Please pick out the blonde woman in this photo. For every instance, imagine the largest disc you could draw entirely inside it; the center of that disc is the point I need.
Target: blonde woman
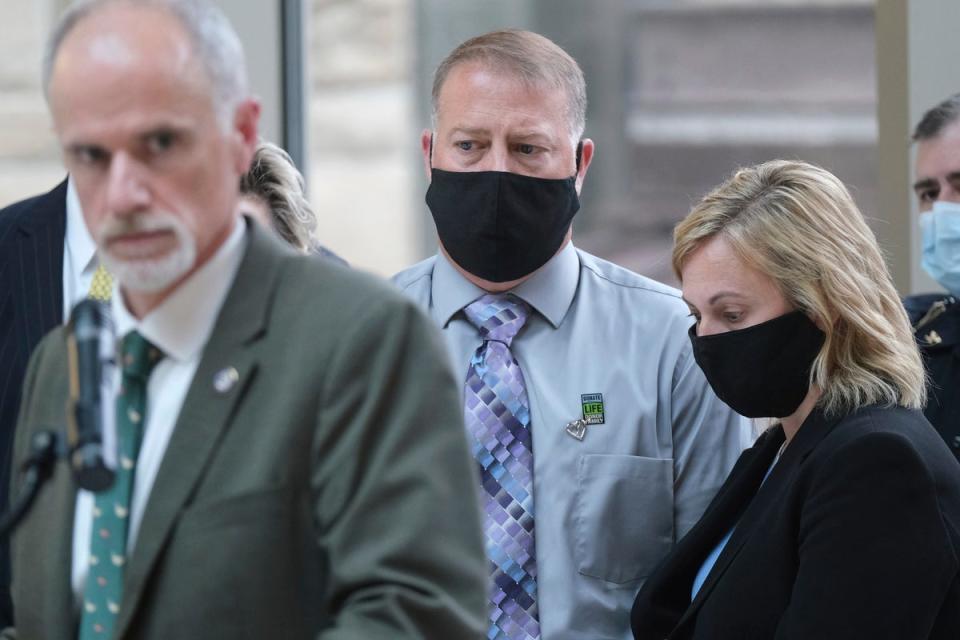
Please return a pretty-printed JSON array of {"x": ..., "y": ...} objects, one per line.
[
  {"x": 273, "y": 192},
  {"x": 842, "y": 520}
]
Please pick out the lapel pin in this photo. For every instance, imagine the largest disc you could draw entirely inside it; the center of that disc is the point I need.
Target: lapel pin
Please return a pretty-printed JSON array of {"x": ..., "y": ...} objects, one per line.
[
  {"x": 577, "y": 429},
  {"x": 591, "y": 405},
  {"x": 933, "y": 338},
  {"x": 225, "y": 379}
]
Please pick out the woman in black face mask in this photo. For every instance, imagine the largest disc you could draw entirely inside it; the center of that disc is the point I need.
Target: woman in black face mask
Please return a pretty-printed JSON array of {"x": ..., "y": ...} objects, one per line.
[{"x": 843, "y": 520}]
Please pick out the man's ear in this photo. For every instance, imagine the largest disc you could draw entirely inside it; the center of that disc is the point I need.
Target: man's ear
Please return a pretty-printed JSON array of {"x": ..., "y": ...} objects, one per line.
[
  {"x": 584, "y": 157},
  {"x": 246, "y": 129},
  {"x": 426, "y": 147}
]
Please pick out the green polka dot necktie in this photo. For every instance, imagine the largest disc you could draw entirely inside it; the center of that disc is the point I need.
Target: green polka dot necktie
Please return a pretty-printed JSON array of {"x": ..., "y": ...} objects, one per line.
[{"x": 108, "y": 539}]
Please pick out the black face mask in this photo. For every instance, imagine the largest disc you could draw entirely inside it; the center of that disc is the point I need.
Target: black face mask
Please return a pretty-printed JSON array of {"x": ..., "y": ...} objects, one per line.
[
  {"x": 501, "y": 226},
  {"x": 762, "y": 371}
]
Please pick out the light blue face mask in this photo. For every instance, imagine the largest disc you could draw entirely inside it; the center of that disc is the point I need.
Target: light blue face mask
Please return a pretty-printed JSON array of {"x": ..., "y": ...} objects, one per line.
[{"x": 940, "y": 230}]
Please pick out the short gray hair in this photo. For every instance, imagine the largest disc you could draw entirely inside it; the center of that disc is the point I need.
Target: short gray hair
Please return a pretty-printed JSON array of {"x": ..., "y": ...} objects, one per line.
[
  {"x": 214, "y": 40},
  {"x": 534, "y": 59},
  {"x": 275, "y": 179},
  {"x": 938, "y": 118}
]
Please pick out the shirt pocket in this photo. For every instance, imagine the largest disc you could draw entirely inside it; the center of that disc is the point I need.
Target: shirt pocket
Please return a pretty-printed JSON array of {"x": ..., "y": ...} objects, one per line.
[{"x": 623, "y": 515}]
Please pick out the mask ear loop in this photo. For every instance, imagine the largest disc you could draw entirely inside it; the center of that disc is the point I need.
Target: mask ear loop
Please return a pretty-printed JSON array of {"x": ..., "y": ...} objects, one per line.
[{"x": 431, "y": 151}]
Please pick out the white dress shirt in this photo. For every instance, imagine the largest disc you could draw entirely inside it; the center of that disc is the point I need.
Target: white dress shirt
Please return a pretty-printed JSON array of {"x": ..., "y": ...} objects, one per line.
[
  {"x": 180, "y": 327},
  {"x": 79, "y": 254}
]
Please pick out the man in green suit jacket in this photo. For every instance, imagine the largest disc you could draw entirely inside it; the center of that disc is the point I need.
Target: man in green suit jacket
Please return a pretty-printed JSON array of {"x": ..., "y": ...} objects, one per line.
[{"x": 301, "y": 469}]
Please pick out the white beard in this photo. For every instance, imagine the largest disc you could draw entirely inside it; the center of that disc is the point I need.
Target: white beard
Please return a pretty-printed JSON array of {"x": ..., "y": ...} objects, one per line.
[{"x": 150, "y": 275}]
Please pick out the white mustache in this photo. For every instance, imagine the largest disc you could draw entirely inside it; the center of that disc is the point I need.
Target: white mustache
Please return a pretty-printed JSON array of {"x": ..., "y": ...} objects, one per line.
[
  {"x": 147, "y": 273},
  {"x": 141, "y": 223}
]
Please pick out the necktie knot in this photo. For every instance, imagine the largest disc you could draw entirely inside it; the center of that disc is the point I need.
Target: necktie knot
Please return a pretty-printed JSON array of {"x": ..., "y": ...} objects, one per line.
[
  {"x": 498, "y": 317},
  {"x": 139, "y": 356}
]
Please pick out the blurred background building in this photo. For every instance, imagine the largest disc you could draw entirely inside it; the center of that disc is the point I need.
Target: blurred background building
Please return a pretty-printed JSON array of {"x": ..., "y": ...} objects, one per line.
[{"x": 681, "y": 93}]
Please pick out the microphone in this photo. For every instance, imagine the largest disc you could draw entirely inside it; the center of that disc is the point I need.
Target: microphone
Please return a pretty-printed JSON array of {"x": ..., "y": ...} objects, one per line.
[{"x": 91, "y": 434}]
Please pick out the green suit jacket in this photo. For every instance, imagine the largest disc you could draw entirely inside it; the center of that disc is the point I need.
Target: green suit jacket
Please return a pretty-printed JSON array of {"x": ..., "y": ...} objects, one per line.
[{"x": 329, "y": 493}]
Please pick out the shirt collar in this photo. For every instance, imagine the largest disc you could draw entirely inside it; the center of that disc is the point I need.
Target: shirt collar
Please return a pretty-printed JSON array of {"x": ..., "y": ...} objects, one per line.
[
  {"x": 82, "y": 248},
  {"x": 549, "y": 290},
  {"x": 182, "y": 324},
  {"x": 451, "y": 291}
]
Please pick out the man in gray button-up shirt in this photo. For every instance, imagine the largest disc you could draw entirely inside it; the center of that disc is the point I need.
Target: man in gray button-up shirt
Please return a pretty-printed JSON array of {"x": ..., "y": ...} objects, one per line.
[{"x": 629, "y": 442}]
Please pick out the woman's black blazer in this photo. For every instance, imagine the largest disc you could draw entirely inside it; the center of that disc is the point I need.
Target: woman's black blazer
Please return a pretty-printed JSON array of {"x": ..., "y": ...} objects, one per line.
[{"x": 853, "y": 535}]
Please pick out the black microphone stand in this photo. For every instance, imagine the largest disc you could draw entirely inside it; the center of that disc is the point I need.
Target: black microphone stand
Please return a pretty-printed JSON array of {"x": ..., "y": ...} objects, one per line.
[
  {"x": 90, "y": 344},
  {"x": 45, "y": 450}
]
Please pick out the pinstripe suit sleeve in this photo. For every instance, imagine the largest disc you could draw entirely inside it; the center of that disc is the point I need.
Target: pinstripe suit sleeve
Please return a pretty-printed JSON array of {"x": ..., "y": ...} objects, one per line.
[{"x": 31, "y": 303}]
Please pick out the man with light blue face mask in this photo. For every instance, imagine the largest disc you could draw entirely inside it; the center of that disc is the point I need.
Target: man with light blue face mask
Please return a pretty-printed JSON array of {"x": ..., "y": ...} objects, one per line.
[{"x": 936, "y": 317}]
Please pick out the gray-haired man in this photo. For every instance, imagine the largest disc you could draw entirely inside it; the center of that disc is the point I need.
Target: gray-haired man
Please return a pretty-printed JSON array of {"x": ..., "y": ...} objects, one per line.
[{"x": 276, "y": 476}]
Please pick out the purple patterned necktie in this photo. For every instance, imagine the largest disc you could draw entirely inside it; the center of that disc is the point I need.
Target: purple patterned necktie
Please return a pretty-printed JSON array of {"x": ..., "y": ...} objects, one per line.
[{"x": 498, "y": 419}]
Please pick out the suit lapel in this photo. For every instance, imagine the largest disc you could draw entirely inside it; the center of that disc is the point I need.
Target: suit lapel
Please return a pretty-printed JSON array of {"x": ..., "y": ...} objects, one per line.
[
  {"x": 207, "y": 411},
  {"x": 724, "y": 513},
  {"x": 758, "y": 499},
  {"x": 665, "y": 596}
]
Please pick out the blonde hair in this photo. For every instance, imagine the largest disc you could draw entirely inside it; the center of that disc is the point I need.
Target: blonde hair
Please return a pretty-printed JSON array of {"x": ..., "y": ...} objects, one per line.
[
  {"x": 532, "y": 58},
  {"x": 274, "y": 179},
  {"x": 798, "y": 224}
]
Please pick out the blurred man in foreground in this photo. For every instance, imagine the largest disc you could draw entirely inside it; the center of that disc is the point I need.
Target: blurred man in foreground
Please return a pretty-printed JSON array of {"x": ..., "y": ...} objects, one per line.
[{"x": 276, "y": 475}]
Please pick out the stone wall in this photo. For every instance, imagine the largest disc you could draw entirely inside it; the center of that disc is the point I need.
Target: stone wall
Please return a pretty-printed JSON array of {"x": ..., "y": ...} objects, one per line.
[
  {"x": 363, "y": 169},
  {"x": 655, "y": 120},
  {"x": 29, "y": 158},
  {"x": 362, "y": 151}
]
